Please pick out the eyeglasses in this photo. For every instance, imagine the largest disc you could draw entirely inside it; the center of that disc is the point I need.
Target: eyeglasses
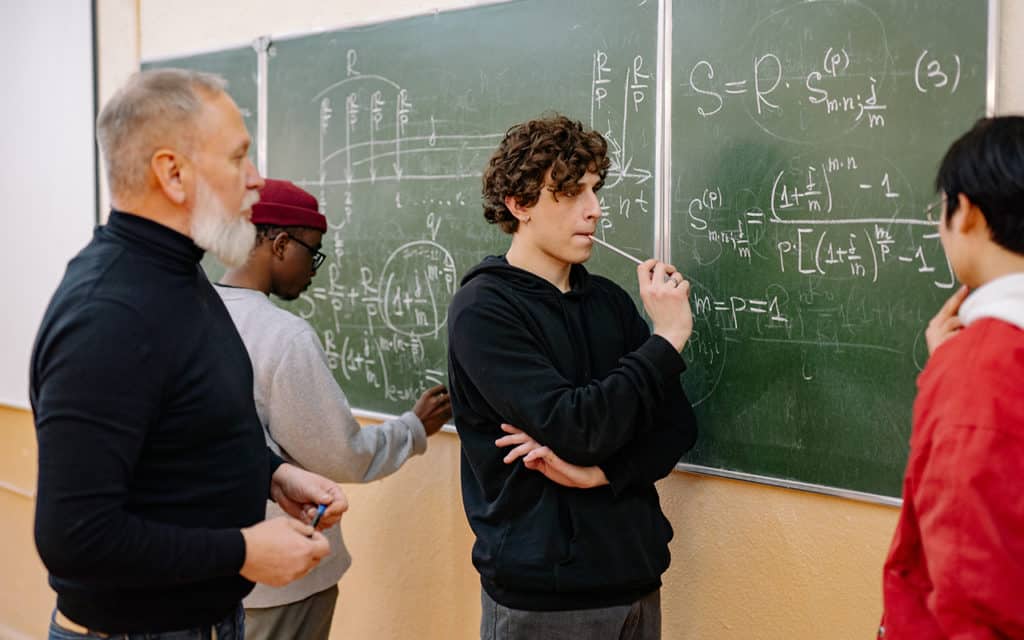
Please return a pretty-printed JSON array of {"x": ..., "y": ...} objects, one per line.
[
  {"x": 935, "y": 210},
  {"x": 318, "y": 256}
]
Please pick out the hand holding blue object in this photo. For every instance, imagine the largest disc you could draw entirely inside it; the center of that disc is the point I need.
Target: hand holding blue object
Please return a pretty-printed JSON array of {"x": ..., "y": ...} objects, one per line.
[{"x": 320, "y": 508}]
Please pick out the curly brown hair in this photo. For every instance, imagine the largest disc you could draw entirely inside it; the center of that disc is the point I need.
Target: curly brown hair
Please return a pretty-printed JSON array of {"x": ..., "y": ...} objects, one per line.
[{"x": 520, "y": 165}]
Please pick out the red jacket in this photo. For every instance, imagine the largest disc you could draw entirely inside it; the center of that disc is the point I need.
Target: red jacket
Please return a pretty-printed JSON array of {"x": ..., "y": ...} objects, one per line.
[{"x": 956, "y": 566}]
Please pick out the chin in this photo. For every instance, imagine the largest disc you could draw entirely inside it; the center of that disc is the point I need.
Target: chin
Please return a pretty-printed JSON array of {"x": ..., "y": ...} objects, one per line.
[{"x": 582, "y": 257}]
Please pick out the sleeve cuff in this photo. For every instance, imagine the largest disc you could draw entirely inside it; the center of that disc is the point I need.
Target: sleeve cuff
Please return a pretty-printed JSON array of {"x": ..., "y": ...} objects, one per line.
[
  {"x": 274, "y": 461},
  {"x": 618, "y": 472},
  {"x": 233, "y": 544},
  {"x": 417, "y": 431},
  {"x": 663, "y": 356}
]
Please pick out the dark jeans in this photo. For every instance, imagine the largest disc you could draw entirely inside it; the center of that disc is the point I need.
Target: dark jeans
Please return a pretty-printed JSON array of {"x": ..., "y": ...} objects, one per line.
[
  {"x": 232, "y": 627},
  {"x": 638, "y": 621}
]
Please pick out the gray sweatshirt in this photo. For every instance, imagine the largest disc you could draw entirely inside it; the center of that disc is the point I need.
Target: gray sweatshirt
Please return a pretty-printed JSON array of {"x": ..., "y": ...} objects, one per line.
[{"x": 308, "y": 422}]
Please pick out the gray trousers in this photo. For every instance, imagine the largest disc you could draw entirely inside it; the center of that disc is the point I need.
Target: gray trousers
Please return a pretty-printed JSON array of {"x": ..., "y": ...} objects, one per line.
[
  {"x": 308, "y": 619},
  {"x": 638, "y": 621}
]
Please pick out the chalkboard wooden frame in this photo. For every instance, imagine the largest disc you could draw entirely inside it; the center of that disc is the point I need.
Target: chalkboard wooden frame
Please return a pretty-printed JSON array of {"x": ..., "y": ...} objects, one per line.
[{"x": 663, "y": 221}]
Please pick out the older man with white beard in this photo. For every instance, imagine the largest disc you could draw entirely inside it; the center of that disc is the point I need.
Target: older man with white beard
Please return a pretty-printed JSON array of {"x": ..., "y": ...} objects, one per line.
[{"x": 153, "y": 469}]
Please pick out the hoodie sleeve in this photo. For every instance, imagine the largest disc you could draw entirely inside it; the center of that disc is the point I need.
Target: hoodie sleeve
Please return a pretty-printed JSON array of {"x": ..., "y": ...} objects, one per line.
[
  {"x": 493, "y": 350},
  {"x": 652, "y": 454}
]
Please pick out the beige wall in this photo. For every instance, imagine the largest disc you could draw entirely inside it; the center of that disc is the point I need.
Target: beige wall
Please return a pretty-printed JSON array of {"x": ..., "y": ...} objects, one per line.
[
  {"x": 25, "y": 598},
  {"x": 749, "y": 562}
]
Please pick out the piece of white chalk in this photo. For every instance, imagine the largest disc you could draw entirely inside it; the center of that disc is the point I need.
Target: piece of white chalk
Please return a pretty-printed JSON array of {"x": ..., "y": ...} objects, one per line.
[
  {"x": 626, "y": 255},
  {"x": 615, "y": 249}
]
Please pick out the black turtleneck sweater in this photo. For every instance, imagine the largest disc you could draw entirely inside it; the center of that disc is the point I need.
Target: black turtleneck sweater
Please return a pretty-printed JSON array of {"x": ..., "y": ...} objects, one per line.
[
  {"x": 581, "y": 373},
  {"x": 151, "y": 456}
]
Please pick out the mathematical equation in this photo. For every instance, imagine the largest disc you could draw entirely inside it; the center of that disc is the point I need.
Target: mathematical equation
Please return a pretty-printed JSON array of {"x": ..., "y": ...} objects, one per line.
[
  {"x": 807, "y": 200},
  {"x": 633, "y": 81},
  {"x": 386, "y": 318},
  {"x": 832, "y": 89},
  {"x": 820, "y": 225}
]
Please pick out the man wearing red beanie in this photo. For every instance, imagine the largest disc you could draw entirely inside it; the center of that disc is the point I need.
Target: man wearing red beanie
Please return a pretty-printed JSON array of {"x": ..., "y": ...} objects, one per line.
[{"x": 305, "y": 414}]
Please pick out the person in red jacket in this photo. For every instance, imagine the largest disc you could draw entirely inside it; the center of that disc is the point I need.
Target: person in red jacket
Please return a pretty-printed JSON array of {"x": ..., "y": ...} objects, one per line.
[{"x": 956, "y": 565}]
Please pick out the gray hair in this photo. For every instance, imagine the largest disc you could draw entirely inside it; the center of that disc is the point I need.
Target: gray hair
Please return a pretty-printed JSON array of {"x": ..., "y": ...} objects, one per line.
[{"x": 155, "y": 108}]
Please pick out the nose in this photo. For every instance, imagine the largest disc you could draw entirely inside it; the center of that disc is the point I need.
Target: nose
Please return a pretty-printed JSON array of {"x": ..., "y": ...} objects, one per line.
[
  {"x": 253, "y": 179},
  {"x": 593, "y": 206}
]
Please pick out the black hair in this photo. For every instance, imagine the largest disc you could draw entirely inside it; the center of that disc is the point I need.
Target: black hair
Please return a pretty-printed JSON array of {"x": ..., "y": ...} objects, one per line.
[
  {"x": 271, "y": 231},
  {"x": 986, "y": 164}
]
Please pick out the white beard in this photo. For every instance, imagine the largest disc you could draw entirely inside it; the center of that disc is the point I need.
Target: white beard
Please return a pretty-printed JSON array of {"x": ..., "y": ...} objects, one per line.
[{"x": 229, "y": 236}]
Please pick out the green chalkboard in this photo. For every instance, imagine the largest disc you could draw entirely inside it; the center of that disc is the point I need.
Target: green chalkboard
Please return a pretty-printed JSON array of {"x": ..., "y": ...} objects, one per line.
[
  {"x": 391, "y": 126},
  {"x": 237, "y": 66},
  {"x": 805, "y": 138}
]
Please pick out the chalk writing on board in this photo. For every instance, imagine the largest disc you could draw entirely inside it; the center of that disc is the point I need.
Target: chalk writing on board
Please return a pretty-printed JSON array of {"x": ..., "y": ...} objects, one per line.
[
  {"x": 632, "y": 80},
  {"x": 822, "y": 218},
  {"x": 833, "y": 89},
  {"x": 377, "y": 148},
  {"x": 371, "y": 137},
  {"x": 835, "y": 213}
]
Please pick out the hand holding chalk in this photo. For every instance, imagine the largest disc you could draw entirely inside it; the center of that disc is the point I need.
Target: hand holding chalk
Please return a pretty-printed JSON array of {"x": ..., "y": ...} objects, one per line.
[{"x": 666, "y": 297}]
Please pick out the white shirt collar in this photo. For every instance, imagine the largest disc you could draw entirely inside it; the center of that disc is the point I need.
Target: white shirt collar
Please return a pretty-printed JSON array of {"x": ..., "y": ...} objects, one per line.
[{"x": 1002, "y": 298}]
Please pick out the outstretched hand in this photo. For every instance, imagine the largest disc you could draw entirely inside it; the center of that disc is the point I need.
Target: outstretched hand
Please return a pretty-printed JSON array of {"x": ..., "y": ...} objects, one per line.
[{"x": 434, "y": 409}]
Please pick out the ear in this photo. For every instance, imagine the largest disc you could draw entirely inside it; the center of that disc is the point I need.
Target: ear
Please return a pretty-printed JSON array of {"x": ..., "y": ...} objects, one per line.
[
  {"x": 169, "y": 170},
  {"x": 521, "y": 213},
  {"x": 971, "y": 219},
  {"x": 278, "y": 245}
]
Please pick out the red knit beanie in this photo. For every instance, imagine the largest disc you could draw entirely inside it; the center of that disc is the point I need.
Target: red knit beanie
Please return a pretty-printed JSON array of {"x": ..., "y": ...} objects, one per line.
[{"x": 283, "y": 204}]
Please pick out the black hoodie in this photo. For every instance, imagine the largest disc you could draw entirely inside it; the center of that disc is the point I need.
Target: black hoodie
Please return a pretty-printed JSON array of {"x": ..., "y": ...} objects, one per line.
[{"x": 581, "y": 373}]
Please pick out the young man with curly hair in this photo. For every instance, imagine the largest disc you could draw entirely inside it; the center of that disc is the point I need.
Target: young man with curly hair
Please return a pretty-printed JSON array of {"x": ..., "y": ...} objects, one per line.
[
  {"x": 571, "y": 541},
  {"x": 956, "y": 565}
]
